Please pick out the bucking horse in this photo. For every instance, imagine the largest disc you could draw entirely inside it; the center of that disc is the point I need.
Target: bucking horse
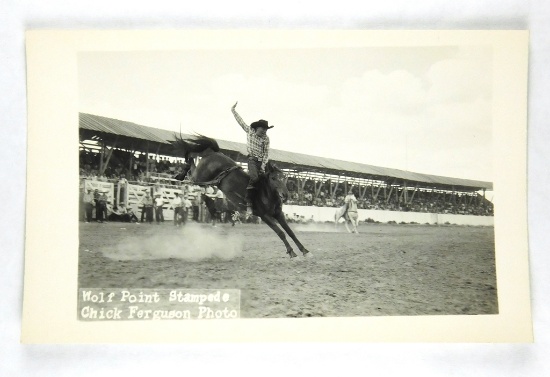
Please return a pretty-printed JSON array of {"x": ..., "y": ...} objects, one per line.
[{"x": 217, "y": 169}]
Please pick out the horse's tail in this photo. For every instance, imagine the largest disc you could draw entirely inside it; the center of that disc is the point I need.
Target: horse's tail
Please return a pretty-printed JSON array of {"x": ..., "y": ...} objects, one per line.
[{"x": 196, "y": 144}]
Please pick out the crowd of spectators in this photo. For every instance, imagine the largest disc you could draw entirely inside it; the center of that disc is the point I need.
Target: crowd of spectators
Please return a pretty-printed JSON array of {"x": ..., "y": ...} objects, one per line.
[
  {"x": 125, "y": 167},
  {"x": 423, "y": 201},
  {"x": 134, "y": 168}
]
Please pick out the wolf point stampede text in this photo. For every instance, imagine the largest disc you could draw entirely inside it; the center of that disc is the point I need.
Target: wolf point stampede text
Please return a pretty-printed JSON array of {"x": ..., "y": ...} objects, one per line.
[{"x": 174, "y": 304}]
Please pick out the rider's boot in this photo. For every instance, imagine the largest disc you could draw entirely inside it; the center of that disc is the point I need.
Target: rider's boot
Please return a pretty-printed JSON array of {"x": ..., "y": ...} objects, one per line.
[{"x": 248, "y": 199}]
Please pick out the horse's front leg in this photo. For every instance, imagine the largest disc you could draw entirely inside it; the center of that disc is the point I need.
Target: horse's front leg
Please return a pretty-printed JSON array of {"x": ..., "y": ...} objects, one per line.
[
  {"x": 281, "y": 219},
  {"x": 271, "y": 223}
]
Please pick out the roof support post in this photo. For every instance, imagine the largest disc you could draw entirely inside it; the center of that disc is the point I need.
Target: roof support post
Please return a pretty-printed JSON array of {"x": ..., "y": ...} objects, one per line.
[
  {"x": 362, "y": 194},
  {"x": 335, "y": 188},
  {"x": 101, "y": 157},
  {"x": 389, "y": 195},
  {"x": 317, "y": 190},
  {"x": 147, "y": 160},
  {"x": 303, "y": 183},
  {"x": 131, "y": 162},
  {"x": 414, "y": 192},
  {"x": 453, "y": 195},
  {"x": 375, "y": 196},
  {"x": 103, "y": 166},
  {"x": 158, "y": 150},
  {"x": 400, "y": 196}
]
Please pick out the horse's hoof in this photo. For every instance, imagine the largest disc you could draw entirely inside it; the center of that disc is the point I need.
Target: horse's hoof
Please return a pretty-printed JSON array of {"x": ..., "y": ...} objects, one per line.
[
  {"x": 292, "y": 254},
  {"x": 305, "y": 252}
]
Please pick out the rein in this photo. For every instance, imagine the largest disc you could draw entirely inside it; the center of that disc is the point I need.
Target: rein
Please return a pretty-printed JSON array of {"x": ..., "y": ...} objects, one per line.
[{"x": 216, "y": 181}]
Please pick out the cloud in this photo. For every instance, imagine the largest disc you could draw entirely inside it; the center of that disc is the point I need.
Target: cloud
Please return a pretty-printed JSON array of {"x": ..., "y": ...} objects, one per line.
[
  {"x": 396, "y": 92},
  {"x": 266, "y": 93},
  {"x": 458, "y": 80}
]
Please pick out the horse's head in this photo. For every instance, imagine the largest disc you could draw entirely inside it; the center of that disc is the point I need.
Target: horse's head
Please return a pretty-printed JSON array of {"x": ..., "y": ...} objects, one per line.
[{"x": 277, "y": 181}]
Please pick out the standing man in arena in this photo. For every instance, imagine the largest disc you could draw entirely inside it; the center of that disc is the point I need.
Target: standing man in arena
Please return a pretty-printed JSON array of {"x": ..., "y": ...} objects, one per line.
[
  {"x": 88, "y": 200},
  {"x": 257, "y": 146},
  {"x": 101, "y": 207},
  {"x": 158, "y": 205},
  {"x": 177, "y": 203},
  {"x": 147, "y": 210},
  {"x": 196, "y": 205},
  {"x": 186, "y": 207}
]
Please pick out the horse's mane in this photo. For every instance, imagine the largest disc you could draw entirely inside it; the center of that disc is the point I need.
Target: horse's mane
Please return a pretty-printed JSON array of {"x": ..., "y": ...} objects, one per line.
[{"x": 196, "y": 144}]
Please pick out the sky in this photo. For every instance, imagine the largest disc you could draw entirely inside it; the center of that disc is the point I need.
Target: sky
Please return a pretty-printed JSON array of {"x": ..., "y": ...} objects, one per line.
[{"x": 420, "y": 109}]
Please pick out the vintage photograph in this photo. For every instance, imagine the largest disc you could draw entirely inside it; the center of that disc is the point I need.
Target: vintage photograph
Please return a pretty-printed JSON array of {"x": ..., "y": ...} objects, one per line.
[
  {"x": 295, "y": 182},
  {"x": 241, "y": 186}
]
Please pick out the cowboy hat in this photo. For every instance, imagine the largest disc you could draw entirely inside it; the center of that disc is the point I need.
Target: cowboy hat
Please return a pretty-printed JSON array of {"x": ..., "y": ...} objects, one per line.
[{"x": 261, "y": 123}]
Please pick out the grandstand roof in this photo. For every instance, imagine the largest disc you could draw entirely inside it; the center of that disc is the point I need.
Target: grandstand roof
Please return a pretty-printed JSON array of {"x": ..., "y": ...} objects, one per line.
[{"x": 138, "y": 137}]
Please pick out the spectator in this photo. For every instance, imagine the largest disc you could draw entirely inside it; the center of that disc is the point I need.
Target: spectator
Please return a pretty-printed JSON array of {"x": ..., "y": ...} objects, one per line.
[
  {"x": 219, "y": 200},
  {"x": 196, "y": 206},
  {"x": 186, "y": 207},
  {"x": 177, "y": 204},
  {"x": 158, "y": 205},
  {"x": 119, "y": 214},
  {"x": 101, "y": 207},
  {"x": 236, "y": 218},
  {"x": 147, "y": 209},
  {"x": 88, "y": 200},
  {"x": 133, "y": 217},
  {"x": 217, "y": 196},
  {"x": 123, "y": 185}
]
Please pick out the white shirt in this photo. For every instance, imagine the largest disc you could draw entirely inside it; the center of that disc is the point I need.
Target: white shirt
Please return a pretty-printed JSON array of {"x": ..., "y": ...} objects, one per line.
[
  {"x": 177, "y": 202},
  {"x": 219, "y": 194},
  {"x": 159, "y": 202},
  {"x": 187, "y": 203},
  {"x": 352, "y": 202}
]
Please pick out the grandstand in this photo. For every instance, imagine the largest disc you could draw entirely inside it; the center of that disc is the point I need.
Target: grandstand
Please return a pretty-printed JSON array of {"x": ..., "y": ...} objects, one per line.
[{"x": 110, "y": 148}]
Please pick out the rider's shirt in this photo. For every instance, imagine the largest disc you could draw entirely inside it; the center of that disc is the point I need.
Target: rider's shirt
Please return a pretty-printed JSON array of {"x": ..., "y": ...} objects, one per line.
[
  {"x": 351, "y": 201},
  {"x": 256, "y": 146}
]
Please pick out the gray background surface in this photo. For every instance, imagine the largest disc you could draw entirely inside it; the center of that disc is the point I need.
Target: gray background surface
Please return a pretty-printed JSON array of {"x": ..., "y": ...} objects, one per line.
[{"x": 321, "y": 359}]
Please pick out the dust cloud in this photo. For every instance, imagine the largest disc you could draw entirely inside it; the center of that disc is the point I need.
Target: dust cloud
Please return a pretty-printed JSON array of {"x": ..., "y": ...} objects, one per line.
[
  {"x": 191, "y": 242},
  {"x": 319, "y": 227}
]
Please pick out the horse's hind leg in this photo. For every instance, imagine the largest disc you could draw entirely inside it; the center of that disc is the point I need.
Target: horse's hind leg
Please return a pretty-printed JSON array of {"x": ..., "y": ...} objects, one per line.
[
  {"x": 282, "y": 221},
  {"x": 346, "y": 224},
  {"x": 271, "y": 223},
  {"x": 355, "y": 222}
]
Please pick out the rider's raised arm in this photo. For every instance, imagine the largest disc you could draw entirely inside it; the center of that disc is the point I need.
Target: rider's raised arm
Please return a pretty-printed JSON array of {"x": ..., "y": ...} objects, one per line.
[{"x": 240, "y": 120}]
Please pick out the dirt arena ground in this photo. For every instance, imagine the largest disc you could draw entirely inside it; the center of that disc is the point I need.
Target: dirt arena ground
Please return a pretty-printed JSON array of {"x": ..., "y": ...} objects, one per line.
[{"x": 384, "y": 270}]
